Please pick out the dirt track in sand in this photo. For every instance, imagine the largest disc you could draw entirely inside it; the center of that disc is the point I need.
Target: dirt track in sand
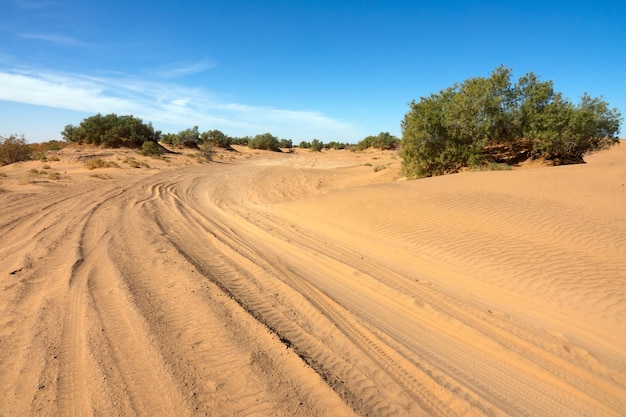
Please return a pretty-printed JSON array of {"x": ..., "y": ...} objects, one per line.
[{"x": 308, "y": 284}]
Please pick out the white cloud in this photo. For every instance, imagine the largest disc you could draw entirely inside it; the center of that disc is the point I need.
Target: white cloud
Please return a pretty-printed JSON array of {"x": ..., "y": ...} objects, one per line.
[
  {"x": 54, "y": 38},
  {"x": 165, "y": 104},
  {"x": 184, "y": 69}
]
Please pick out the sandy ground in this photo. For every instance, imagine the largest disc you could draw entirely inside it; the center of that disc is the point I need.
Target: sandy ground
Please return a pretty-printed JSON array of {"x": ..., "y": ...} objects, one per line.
[{"x": 310, "y": 284}]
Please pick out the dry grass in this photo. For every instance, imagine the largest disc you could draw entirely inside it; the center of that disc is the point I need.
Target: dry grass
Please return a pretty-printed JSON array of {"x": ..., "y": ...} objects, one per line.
[{"x": 100, "y": 163}]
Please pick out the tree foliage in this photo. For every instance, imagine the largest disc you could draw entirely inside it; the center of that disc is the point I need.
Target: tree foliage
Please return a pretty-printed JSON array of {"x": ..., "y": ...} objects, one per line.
[
  {"x": 189, "y": 137},
  {"x": 285, "y": 143},
  {"x": 14, "y": 149},
  {"x": 111, "y": 131},
  {"x": 486, "y": 120},
  {"x": 150, "y": 148},
  {"x": 317, "y": 145},
  {"x": 384, "y": 140},
  {"x": 217, "y": 138},
  {"x": 265, "y": 141},
  {"x": 242, "y": 141}
]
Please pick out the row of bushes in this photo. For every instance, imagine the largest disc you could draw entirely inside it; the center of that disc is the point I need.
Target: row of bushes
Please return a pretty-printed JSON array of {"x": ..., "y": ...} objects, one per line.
[{"x": 14, "y": 148}]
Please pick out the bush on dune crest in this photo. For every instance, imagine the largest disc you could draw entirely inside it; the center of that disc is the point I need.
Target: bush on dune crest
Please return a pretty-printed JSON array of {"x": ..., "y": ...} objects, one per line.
[
  {"x": 265, "y": 141},
  {"x": 485, "y": 120},
  {"x": 111, "y": 131}
]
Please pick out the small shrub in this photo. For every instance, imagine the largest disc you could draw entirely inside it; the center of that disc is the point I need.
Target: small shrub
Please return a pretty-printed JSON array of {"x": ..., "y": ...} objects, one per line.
[
  {"x": 207, "y": 151},
  {"x": 134, "y": 163},
  {"x": 494, "y": 166},
  {"x": 55, "y": 176},
  {"x": 99, "y": 163},
  {"x": 3, "y": 175},
  {"x": 102, "y": 176},
  {"x": 491, "y": 166},
  {"x": 14, "y": 149},
  {"x": 379, "y": 168},
  {"x": 317, "y": 145},
  {"x": 53, "y": 146},
  {"x": 46, "y": 166},
  {"x": 150, "y": 148}
]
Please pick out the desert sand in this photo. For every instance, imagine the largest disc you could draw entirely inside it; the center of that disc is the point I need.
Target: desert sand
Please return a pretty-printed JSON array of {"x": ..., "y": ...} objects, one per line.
[{"x": 310, "y": 284}]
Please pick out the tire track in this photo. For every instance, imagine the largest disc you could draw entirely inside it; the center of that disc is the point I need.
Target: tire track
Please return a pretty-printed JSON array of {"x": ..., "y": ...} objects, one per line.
[{"x": 512, "y": 387}]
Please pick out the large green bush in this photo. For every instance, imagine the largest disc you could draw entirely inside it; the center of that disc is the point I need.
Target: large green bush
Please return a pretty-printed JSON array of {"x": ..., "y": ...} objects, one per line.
[
  {"x": 111, "y": 131},
  {"x": 317, "y": 145},
  {"x": 265, "y": 141},
  {"x": 14, "y": 149},
  {"x": 486, "y": 120},
  {"x": 188, "y": 138},
  {"x": 217, "y": 138}
]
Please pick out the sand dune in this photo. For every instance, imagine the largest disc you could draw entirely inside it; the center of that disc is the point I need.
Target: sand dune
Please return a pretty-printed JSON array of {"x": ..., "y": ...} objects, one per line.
[{"x": 310, "y": 284}]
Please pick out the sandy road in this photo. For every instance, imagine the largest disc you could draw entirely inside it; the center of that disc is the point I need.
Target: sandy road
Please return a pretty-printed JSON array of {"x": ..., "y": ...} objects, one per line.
[{"x": 297, "y": 285}]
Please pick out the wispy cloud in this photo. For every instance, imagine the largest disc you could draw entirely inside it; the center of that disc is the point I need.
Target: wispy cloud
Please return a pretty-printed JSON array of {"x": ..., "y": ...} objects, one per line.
[
  {"x": 164, "y": 104},
  {"x": 54, "y": 38},
  {"x": 184, "y": 69}
]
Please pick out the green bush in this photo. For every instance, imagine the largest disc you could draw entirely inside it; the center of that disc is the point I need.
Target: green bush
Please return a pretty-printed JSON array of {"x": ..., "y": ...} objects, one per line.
[
  {"x": 14, "y": 149},
  {"x": 317, "y": 145},
  {"x": 150, "y": 148},
  {"x": 486, "y": 120},
  {"x": 111, "y": 131},
  {"x": 335, "y": 145},
  {"x": 265, "y": 141},
  {"x": 243, "y": 141},
  {"x": 216, "y": 138},
  {"x": 384, "y": 141},
  {"x": 285, "y": 143}
]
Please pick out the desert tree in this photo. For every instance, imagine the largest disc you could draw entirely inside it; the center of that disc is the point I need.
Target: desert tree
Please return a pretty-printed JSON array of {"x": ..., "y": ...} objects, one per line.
[
  {"x": 317, "y": 145},
  {"x": 472, "y": 122},
  {"x": 111, "y": 130},
  {"x": 217, "y": 138},
  {"x": 265, "y": 141}
]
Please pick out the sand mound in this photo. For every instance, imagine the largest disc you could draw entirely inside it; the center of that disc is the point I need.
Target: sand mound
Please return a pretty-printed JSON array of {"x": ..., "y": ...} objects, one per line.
[{"x": 308, "y": 284}]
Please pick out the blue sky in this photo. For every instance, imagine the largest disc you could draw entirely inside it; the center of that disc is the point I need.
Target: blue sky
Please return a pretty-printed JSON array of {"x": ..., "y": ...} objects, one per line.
[{"x": 332, "y": 70}]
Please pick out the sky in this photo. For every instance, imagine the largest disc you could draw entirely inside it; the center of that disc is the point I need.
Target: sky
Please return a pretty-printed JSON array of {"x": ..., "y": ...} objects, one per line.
[{"x": 331, "y": 70}]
